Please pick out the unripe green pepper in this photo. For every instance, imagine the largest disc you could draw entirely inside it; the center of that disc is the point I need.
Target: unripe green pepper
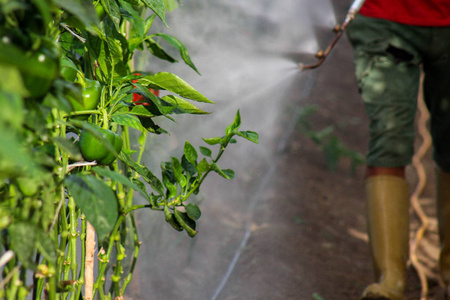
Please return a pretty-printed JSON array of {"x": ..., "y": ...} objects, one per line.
[
  {"x": 67, "y": 69},
  {"x": 100, "y": 10},
  {"x": 93, "y": 148},
  {"x": 47, "y": 56},
  {"x": 91, "y": 91}
]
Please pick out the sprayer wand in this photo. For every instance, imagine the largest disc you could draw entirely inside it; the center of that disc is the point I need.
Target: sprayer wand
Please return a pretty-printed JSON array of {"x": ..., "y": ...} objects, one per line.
[{"x": 339, "y": 29}]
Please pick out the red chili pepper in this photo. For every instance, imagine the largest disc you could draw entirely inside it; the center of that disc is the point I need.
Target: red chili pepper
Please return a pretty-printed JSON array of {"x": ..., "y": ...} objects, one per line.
[{"x": 139, "y": 99}]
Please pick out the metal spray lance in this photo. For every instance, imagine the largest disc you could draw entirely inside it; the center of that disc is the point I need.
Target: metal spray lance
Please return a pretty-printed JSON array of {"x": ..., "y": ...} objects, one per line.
[{"x": 339, "y": 29}]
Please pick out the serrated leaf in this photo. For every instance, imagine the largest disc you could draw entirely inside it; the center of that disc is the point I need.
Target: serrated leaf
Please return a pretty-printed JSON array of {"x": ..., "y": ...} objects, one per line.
[
  {"x": 190, "y": 153},
  {"x": 96, "y": 201},
  {"x": 193, "y": 211},
  {"x": 205, "y": 151},
  {"x": 173, "y": 83}
]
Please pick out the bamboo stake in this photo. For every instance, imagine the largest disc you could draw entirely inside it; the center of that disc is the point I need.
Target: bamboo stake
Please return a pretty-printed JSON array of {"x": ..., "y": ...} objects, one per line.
[{"x": 89, "y": 267}]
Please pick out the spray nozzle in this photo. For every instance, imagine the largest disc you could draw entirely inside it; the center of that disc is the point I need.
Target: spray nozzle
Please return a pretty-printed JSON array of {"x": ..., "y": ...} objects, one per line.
[
  {"x": 339, "y": 30},
  {"x": 320, "y": 54}
]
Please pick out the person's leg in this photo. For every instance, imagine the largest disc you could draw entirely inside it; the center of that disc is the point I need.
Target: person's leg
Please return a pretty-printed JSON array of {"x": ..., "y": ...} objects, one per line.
[
  {"x": 437, "y": 98},
  {"x": 388, "y": 73},
  {"x": 387, "y": 201}
]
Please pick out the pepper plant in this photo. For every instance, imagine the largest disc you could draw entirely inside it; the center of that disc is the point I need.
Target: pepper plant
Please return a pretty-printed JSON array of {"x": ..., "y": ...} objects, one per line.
[{"x": 74, "y": 122}]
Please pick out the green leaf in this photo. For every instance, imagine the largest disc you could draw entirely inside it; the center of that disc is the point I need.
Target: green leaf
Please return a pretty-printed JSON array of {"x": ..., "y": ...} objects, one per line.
[
  {"x": 11, "y": 55},
  {"x": 15, "y": 156},
  {"x": 158, "y": 7},
  {"x": 193, "y": 211},
  {"x": 84, "y": 10},
  {"x": 183, "y": 106},
  {"x": 142, "y": 188},
  {"x": 99, "y": 50},
  {"x": 68, "y": 147},
  {"x": 46, "y": 247},
  {"x": 203, "y": 166},
  {"x": 144, "y": 172},
  {"x": 178, "y": 171},
  {"x": 13, "y": 110},
  {"x": 117, "y": 177},
  {"x": 164, "y": 110},
  {"x": 131, "y": 15},
  {"x": 213, "y": 141},
  {"x": 171, "y": 188},
  {"x": 129, "y": 120},
  {"x": 188, "y": 167},
  {"x": 113, "y": 10},
  {"x": 173, "y": 83},
  {"x": 140, "y": 110},
  {"x": 205, "y": 151},
  {"x": 235, "y": 125},
  {"x": 158, "y": 51},
  {"x": 249, "y": 135},
  {"x": 187, "y": 223},
  {"x": 96, "y": 201},
  {"x": 227, "y": 173},
  {"x": 23, "y": 237},
  {"x": 181, "y": 48},
  {"x": 12, "y": 80},
  {"x": 170, "y": 5},
  {"x": 170, "y": 218},
  {"x": 190, "y": 153}
]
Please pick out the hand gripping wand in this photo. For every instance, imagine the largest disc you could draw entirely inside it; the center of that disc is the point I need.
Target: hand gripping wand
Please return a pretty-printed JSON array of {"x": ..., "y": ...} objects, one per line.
[{"x": 339, "y": 29}]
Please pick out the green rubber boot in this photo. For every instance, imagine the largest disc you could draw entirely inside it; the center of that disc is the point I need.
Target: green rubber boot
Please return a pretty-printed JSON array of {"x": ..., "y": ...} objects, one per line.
[
  {"x": 443, "y": 216},
  {"x": 388, "y": 228}
]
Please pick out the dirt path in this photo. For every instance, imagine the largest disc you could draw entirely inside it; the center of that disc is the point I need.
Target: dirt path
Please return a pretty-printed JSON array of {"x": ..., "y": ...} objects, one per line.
[{"x": 308, "y": 229}]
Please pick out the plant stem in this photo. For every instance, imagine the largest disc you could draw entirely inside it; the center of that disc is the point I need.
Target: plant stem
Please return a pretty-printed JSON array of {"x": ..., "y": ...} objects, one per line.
[
  {"x": 81, "y": 277},
  {"x": 73, "y": 242},
  {"x": 142, "y": 147},
  {"x": 137, "y": 245},
  {"x": 103, "y": 263}
]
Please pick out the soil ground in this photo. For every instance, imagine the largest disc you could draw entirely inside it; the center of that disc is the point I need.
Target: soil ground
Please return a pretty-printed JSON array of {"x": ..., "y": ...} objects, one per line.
[{"x": 308, "y": 240}]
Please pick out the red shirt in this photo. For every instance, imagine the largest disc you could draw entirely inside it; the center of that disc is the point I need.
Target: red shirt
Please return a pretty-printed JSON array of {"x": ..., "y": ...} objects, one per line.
[{"x": 411, "y": 12}]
